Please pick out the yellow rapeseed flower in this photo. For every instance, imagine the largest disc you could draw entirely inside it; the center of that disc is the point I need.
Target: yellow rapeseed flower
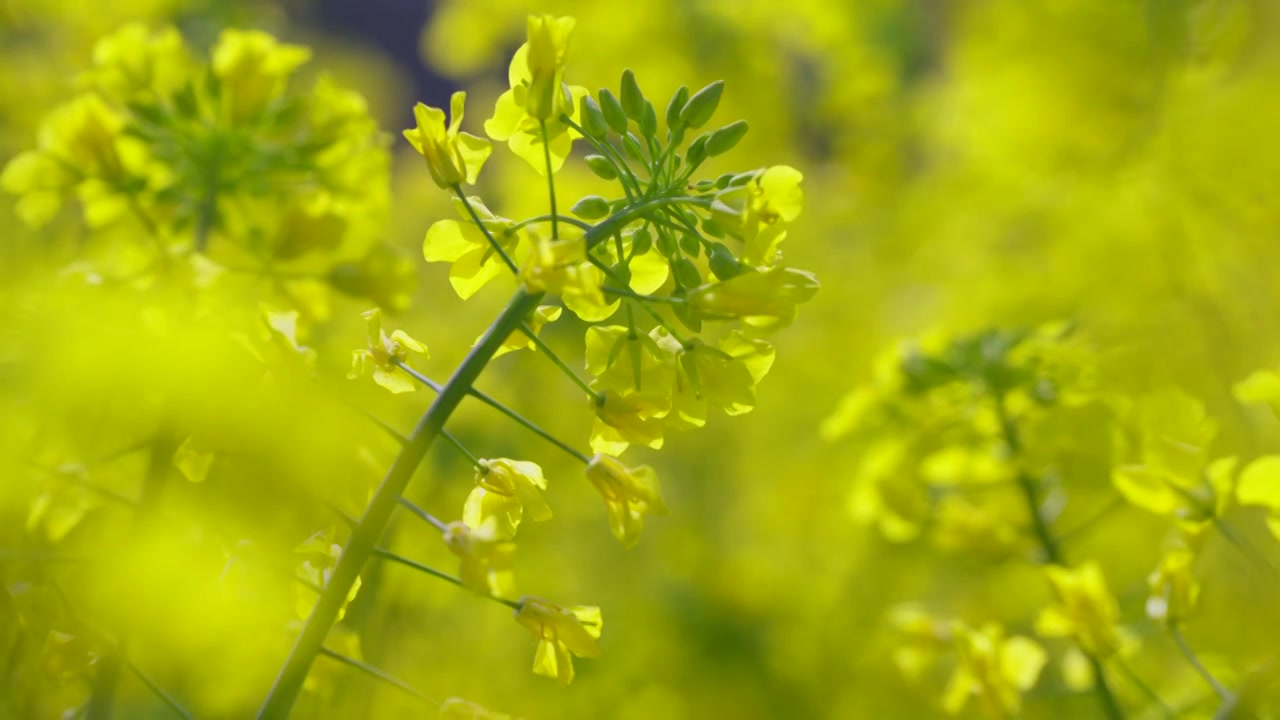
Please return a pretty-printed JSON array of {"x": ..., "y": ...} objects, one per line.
[
  {"x": 561, "y": 632},
  {"x": 452, "y": 156}
]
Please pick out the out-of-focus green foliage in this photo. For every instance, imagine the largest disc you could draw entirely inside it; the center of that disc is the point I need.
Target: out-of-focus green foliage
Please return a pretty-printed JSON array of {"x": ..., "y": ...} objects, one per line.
[{"x": 975, "y": 173}]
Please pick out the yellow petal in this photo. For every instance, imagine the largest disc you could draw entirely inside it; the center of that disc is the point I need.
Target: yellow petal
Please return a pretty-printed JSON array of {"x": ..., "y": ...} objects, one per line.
[
  {"x": 446, "y": 241},
  {"x": 1259, "y": 483}
]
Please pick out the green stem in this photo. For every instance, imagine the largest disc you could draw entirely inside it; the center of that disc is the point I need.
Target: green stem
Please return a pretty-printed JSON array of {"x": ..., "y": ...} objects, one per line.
[
  {"x": 423, "y": 515},
  {"x": 1050, "y": 547},
  {"x": 493, "y": 242},
  {"x": 364, "y": 537},
  {"x": 549, "y": 218},
  {"x": 547, "y": 351},
  {"x": 1084, "y": 527},
  {"x": 1144, "y": 688},
  {"x": 1246, "y": 548},
  {"x": 512, "y": 414},
  {"x": 1192, "y": 659},
  {"x": 607, "y": 150},
  {"x": 158, "y": 691},
  {"x": 609, "y": 273},
  {"x": 551, "y": 181},
  {"x": 374, "y": 672},
  {"x": 642, "y": 298},
  {"x": 427, "y": 569}
]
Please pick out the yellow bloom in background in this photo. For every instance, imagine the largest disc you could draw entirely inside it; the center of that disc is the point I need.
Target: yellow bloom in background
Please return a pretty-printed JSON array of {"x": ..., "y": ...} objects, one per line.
[
  {"x": 383, "y": 353},
  {"x": 764, "y": 300},
  {"x": 452, "y": 156},
  {"x": 475, "y": 262},
  {"x": 1174, "y": 587},
  {"x": 1259, "y": 485},
  {"x": 60, "y": 508},
  {"x": 487, "y": 559},
  {"x": 506, "y": 490},
  {"x": 629, "y": 494},
  {"x": 918, "y": 639},
  {"x": 81, "y": 148},
  {"x": 1085, "y": 611},
  {"x": 135, "y": 61},
  {"x": 756, "y": 212},
  {"x": 1173, "y": 475},
  {"x": 253, "y": 68},
  {"x": 538, "y": 95},
  {"x": 1261, "y": 387},
  {"x": 992, "y": 670},
  {"x": 561, "y": 632}
]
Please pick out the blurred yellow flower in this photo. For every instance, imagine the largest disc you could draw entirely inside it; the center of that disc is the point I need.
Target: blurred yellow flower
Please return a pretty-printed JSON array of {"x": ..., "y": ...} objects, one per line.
[
  {"x": 561, "y": 632},
  {"x": 629, "y": 494},
  {"x": 992, "y": 670},
  {"x": 487, "y": 558},
  {"x": 505, "y": 491},
  {"x": 383, "y": 352},
  {"x": 1173, "y": 475},
  {"x": 1085, "y": 611},
  {"x": 1174, "y": 587},
  {"x": 452, "y": 156},
  {"x": 1259, "y": 485},
  {"x": 253, "y": 68},
  {"x": 135, "y": 61}
]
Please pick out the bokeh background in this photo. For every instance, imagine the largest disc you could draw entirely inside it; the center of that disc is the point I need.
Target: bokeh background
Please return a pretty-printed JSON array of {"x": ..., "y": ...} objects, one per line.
[{"x": 968, "y": 164}]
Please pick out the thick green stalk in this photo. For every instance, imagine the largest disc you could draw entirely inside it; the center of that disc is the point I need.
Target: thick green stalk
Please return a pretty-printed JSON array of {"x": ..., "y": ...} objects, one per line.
[{"x": 364, "y": 537}]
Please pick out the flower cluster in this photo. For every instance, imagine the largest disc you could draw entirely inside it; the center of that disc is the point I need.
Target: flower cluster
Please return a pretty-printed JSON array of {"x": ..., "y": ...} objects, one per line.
[
  {"x": 961, "y": 441},
  {"x": 227, "y": 168},
  {"x": 679, "y": 280}
]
